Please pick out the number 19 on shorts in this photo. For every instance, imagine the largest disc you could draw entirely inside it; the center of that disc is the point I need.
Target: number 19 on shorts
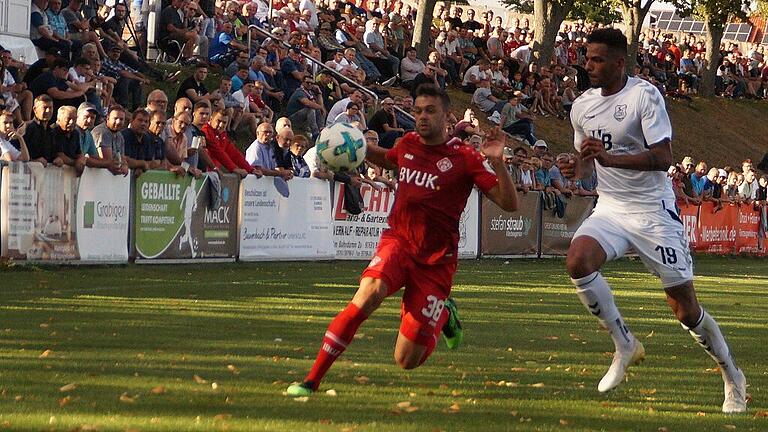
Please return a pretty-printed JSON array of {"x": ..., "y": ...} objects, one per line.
[{"x": 668, "y": 254}]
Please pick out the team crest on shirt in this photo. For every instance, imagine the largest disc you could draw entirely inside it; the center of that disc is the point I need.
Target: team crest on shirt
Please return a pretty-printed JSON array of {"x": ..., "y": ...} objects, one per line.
[
  {"x": 444, "y": 164},
  {"x": 620, "y": 113}
]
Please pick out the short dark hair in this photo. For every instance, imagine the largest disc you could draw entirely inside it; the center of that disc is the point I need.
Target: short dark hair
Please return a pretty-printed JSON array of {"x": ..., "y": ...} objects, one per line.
[
  {"x": 432, "y": 90},
  {"x": 60, "y": 63},
  {"x": 202, "y": 104},
  {"x": 519, "y": 149},
  {"x": 44, "y": 98},
  {"x": 612, "y": 38},
  {"x": 82, "y": 61},
  {"x": 139, "y": 112}
]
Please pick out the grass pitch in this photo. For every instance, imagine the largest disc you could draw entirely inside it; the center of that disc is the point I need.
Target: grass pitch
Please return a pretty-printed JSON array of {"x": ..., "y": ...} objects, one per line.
[{"x": 207, "y": 348}]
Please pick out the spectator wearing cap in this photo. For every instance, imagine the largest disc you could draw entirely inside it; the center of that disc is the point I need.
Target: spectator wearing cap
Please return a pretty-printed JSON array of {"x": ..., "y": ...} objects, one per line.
[
  {"x": 384, "y": 123},
  {"x": 221, "y": 150},
  {"x": 12, "y": 144},
  {"x": 86, "y": 116},
  {"x": 293, "y": 71},
  {"x": 327, "y": 42},
  {"x": 37, "y": 134},
  {"x": 66, "y": 140},
  {"x": 41, "y": 32},
  {"x": 305, "y": 107},
  {"x": 54, "y": 84},
  {"x": 261, "y": 153},
  {"x": 539, "y": 148},
  {"x": 128, "y": 84},
  {"x": 515, "y": 118}
]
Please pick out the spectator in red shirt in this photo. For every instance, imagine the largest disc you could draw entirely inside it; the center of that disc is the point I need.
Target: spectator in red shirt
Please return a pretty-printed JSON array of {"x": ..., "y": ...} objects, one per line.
[{"x": 222, "y": 151}]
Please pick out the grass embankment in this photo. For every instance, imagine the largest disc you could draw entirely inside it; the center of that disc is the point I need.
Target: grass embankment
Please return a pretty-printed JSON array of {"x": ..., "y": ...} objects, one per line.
[{"x": 206, "y": 348}]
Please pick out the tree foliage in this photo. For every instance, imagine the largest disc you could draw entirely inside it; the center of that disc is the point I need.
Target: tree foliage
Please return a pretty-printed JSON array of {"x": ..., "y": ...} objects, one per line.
[{"x": 599, "y": 11}]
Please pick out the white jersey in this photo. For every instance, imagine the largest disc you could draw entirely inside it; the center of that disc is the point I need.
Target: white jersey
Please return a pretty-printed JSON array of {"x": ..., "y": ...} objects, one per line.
[{"x": 628, "y": 122}]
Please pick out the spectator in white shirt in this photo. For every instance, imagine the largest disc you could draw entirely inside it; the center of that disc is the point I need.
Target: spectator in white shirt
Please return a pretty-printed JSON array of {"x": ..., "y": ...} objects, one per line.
[
  {"x": 8, "y": 136},
  {"x": 474, "y": 74},
  {"x": 410, "y": 66}
]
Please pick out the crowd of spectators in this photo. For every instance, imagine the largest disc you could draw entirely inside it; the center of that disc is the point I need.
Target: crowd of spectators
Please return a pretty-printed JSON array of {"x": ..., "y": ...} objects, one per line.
[
  {"x": 84, "y": 104},
  {"x": 697, "y": 183}
]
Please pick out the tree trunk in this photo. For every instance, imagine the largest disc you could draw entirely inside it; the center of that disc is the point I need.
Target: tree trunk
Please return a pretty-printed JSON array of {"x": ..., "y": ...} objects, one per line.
[
  {"x": 715, "y": 30},
  {"x": 421, "y": 33},
  {"x": 547, "y": 17},
  {"x": 633, "y": 14}
]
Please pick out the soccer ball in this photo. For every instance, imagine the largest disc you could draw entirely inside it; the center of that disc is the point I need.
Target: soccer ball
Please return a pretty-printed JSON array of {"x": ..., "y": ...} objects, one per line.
[{"x": 341, "y": 147}]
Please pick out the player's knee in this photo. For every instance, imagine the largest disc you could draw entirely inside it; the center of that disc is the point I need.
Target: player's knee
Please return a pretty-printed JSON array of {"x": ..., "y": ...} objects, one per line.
[
  {"x": 406, "y": 360},
  {"x": 370, "y": 295},
  {"x": 578, "y": 264}
]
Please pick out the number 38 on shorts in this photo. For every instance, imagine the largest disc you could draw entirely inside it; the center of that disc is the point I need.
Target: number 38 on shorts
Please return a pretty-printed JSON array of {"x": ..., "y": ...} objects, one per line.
[{"x": 434, "y": 308}]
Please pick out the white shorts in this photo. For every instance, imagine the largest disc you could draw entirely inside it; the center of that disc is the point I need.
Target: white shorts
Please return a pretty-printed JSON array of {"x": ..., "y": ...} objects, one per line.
[{"x": 657, "y": 237}]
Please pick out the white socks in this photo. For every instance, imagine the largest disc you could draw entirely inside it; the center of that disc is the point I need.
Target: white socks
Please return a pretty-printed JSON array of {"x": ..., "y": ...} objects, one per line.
[
  {"x": 596, "y": 296},
  {"x": 707, "y": 333}
]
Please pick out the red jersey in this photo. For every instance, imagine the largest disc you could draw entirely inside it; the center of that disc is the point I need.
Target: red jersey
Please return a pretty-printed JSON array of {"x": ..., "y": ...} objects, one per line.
[
  {"x": 222, "y": 151},
  {"x": 434, "y": 183}
]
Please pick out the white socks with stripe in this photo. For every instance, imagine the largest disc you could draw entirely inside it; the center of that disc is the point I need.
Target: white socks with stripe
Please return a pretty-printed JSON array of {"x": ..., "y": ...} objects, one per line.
[
  {"x": 707, "y": 334},
  {"x": 596, "y": 296}
]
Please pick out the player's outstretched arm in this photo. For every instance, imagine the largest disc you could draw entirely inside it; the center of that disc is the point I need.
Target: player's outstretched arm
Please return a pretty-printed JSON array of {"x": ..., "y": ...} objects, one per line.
[
  {"x": 504, "y": 194},
  {"x": 657, "y": 158},
  {"x": 378, "y": 156}
]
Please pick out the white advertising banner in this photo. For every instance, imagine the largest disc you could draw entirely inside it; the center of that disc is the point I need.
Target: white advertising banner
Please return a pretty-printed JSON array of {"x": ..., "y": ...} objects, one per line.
[
  {"x": 356, "y": 237},
  {"x": 38, "y": 208},
  {"x": 276, "y": 227},
  {"x": 103, "y": 211}
]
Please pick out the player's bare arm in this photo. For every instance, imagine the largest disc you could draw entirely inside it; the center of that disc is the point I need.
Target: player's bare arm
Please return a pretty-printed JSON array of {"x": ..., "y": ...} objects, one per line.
[
  {"x": 505, "y": 193},
  {"x": 378, "y": 156},
  {"x": 657, "y": 158}
]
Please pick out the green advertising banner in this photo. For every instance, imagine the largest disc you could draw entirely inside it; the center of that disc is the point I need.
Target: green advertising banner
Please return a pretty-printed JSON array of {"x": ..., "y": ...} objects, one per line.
[{"x": 174, "y": 219}]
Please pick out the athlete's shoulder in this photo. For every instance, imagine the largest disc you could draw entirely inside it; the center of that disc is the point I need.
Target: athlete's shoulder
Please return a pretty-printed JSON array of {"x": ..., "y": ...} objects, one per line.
[{"x": 642, "y": 88}]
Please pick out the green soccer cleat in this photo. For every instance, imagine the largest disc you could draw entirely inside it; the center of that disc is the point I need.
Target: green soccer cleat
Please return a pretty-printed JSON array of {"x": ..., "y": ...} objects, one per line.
[
  {"x": 303, "y": 389},
  {"x": 452, "y": 331}
]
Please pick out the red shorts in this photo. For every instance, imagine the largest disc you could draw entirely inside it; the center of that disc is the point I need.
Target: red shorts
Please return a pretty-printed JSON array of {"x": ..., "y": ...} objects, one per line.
[{"x": 426, "y": 288}]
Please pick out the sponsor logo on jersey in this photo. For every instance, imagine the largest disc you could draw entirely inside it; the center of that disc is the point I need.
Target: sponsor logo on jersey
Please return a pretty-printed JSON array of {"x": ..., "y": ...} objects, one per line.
[
  {"x": 418, "y": 178},
  {"x": 408, "y": 156},
  {"x": 620, "y": 113},
  {"x": 374, "y": 261},
  {"x": 444, "y": 164}
]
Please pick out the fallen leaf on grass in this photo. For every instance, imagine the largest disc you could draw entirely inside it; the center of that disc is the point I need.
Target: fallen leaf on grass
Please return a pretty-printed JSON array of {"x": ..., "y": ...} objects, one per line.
[
  {"x": 649, "y": 335},
  {"x": 663, "y": 429},
  {"x": 647, "y": 391},
  {"x": 68, "y": 387},
  {"x": 324, "y": 421},
  {"x": 454, "y": 408},
  {"x": 761, "y": 414},
  {"x": 158, "y": 390},
  {"x": 362, "y": 379},
  {"x": 609, "y": 404},
  {"x": 404, "y": 407},
  {"x": 45, "y": 354},
  {"x": 730, "y": 427},
  {"x": 552, "y": 338},
  {"x": 222, "y": 417},
  {"x": 513, "y": 413},
  {"x": 198, "y": 379},
  {"x": 301, "y": 399},
  {"x": 538, "y": 385},
  {"x": 712, "y": 370},
  {"x": 126, "y": 398},
  {"x": 233, "y": 369},
  {"x": 331, "y": 392},
  {"x": 65, "y": 401},
  {"x": 564, "y": 422},
  {"x": 701, "y": 414}
]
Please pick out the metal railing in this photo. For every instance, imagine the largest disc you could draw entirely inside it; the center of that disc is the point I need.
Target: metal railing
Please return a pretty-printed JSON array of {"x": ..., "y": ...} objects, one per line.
[{"x": 317, "y": 62}]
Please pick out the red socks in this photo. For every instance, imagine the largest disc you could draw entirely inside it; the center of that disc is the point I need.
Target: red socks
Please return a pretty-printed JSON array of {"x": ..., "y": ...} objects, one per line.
[{"x": 339, "y": 334}]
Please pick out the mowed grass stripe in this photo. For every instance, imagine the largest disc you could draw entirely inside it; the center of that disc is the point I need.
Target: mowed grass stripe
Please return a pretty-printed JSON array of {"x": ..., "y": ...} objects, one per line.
[{"x": 531, "y": 361}]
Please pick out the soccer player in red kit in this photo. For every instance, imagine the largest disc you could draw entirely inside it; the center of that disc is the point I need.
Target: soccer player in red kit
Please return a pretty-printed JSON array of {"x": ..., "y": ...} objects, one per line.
[{"x": 419, "y": 250}]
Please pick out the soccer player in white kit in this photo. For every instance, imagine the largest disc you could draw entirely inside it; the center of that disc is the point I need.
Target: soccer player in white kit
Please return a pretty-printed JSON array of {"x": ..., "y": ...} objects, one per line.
[{"x": 622, "y": 130}]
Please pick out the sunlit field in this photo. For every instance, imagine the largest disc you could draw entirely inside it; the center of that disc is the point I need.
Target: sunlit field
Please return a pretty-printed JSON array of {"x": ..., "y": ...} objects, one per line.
[{"x": 213, "y": 347}]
